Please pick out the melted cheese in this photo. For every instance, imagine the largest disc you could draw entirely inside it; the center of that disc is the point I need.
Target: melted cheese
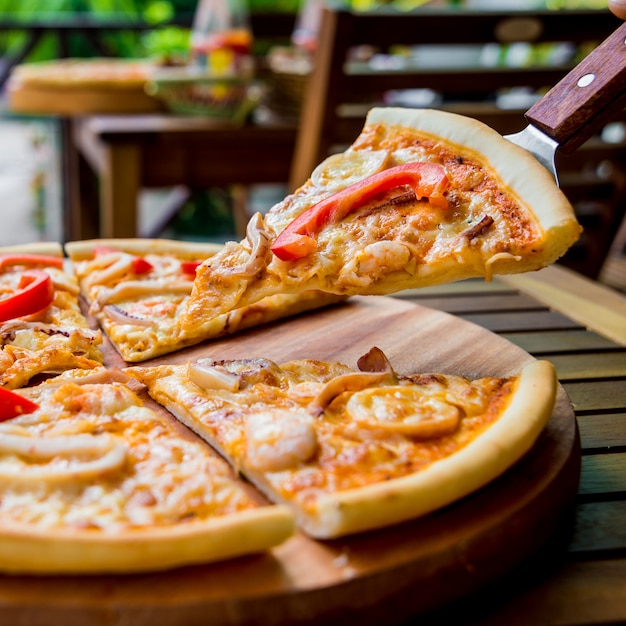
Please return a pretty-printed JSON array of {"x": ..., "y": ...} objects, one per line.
[
  {"x": 148, "y": 475},
  {"x": 363, "y": 437}
]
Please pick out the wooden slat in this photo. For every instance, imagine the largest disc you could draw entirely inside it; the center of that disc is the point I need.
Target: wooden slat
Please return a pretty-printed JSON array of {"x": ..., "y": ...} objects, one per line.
[
  {"x": 577, "y": 594},
  {"x": 607, "y": 430},
  {"x": 468, "y": 303},
  {"x": 539, "y": 343},
  {"x": 603, "y": 474},
  {"x": 589, "y": 365},
  {"x": 526, "y": 320},
  {"x": 589, "y": 303},
  {"x": 599, "y": 526},
  {"x": 605, "y": 395}
]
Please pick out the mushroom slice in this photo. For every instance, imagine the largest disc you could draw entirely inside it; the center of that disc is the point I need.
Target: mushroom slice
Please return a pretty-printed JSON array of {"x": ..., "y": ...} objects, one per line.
[
  {"x": 82, "y": 457},
  {"x": 211, "y": 376},
  {"x": 404, "y": 409}
]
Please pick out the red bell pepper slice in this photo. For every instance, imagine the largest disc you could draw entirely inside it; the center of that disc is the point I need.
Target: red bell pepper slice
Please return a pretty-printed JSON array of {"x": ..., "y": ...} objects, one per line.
[
  {"x": 12, "y": 405},
  {"x": 36, "y": 292},
  {"x": 190, "y": 267},
  {"x": 297, "y": 240},
  {"x": 7, "y": 260},
  {"x": 139, "y": 265}
]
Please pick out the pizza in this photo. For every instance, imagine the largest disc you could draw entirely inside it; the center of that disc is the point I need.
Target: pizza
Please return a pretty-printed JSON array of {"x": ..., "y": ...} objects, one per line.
[
  {"x": 97, "y": 73},
  {"x": 42, "y": 328},
  {"x": 421, "y": 197},
  {"x": 94, "y": 481},
  {"x": 138, "y": 288},
  {"x": 350, "y": 450},
  {"x": 175, "y": 462}
]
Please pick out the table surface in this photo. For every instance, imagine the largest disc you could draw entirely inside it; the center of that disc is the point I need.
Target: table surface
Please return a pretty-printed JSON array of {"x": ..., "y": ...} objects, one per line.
[{"x": 580, "y": 326}]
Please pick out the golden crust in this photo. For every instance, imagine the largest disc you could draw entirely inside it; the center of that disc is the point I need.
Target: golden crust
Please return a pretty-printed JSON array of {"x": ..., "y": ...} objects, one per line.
[
  {"x": 84, "y": 249},
  {"x": 24, "y": 550}
]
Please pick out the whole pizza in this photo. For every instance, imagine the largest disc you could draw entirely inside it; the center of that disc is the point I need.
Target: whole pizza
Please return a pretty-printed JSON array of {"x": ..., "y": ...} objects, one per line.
[{"x": 167, "y": 461}]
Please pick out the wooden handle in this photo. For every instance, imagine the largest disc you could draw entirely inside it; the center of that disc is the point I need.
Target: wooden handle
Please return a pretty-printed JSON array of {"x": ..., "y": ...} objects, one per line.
[{"x": 587, "y": 98}]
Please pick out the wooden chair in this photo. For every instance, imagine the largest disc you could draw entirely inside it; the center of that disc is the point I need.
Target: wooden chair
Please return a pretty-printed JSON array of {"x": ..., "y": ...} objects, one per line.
[{"x": 342, "y": 88}]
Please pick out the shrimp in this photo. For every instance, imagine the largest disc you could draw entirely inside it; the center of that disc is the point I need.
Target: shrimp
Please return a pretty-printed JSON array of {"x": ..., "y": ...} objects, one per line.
[
  {"x": 375, "y": 260},
  {"x": 280, "y": 440}
]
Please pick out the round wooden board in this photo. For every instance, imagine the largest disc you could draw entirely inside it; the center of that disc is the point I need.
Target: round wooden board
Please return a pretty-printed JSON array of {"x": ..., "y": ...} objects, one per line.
[{"x": 385, "y": 576}]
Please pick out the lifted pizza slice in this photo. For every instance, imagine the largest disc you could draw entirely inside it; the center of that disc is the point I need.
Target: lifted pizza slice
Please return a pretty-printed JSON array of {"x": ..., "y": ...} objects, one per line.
[
  {"x": 42, "y": 329},
  {"x": 351, "y": 450},
  {"x": 92, "y": 480},
  {"x": 421, "y": 197},
  {"x": 137, "y": 289}
]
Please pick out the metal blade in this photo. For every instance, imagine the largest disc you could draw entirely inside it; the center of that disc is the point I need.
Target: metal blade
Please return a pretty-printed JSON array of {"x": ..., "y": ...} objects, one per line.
[{"x": 542, "y": 147}]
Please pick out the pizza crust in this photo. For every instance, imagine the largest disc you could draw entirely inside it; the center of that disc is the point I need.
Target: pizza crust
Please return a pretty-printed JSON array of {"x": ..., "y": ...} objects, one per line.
[{"x": 74, "y": 551}]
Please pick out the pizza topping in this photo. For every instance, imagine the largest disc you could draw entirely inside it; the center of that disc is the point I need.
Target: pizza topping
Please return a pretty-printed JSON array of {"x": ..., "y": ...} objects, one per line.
[
  {"x": 70, "y": 458},
  {"x": 404, "y": 410},
  {"x": 212, "y": 376},
  {"x": 13, "y": 404},
  {"x": 36, "y": 292},
  {"x": 479, "y": 228},
  {"x": 190, "y": 267},
  {"x": 259, "y": 241},
  {"x": 340, "y": 384},
  {"x": 7, "y": 260},
  {"x": 342, "y": 170},
  {"x": 120, "y": 316},
  {"x": 279, "y": 440},
  {"x": 297, "y": 240},
  {"x": 141, "y": 266}
]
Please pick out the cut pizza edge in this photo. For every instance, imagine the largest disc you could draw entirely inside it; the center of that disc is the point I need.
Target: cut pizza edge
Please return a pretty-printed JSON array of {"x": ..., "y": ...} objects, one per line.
[
  {"x": 515, "y": 169},
  {"x": 36, "y": 549},
  {"x": 137, "y": 339},
  {"x": 401, "y": 499}
]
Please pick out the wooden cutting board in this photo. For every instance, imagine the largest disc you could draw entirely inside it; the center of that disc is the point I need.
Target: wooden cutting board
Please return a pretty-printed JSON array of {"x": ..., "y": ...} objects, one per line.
[{"x": 379, "y": 577}]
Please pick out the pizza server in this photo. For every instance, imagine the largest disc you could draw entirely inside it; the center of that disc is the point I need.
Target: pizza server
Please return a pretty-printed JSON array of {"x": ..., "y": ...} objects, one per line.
[{"x": 579, "y": 105}]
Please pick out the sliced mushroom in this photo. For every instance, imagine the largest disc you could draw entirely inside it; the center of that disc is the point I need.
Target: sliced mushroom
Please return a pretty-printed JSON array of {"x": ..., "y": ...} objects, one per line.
[{"x": 212, "y": 376}]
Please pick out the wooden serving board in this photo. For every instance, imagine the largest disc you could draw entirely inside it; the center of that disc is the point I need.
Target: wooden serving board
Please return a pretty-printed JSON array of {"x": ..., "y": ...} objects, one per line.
[{"x": 378, "y": 577}]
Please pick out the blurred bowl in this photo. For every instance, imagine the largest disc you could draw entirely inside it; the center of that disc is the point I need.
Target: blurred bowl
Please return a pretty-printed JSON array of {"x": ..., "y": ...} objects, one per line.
[{"x": 193, "y": 91}]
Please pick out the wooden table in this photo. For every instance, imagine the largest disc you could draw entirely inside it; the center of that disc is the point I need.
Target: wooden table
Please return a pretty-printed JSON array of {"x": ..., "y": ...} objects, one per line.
[
  {"x": 110, "y": 158},
  {"x": 581, "y": 327}
]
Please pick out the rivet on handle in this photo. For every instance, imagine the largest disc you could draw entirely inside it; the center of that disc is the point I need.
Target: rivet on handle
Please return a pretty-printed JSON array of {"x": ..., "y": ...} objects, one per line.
[{"x": 586, "y": 80}]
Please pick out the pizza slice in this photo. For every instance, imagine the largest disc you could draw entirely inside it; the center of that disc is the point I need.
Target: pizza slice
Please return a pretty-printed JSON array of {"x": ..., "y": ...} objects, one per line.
[
  {"x": 351, "y": 450},
  {"x": 421, "y": 197},
  {"x": 137, "y": 289},
  {"x": 92, "y": 480},
  {"x": 42, "y": 329}
]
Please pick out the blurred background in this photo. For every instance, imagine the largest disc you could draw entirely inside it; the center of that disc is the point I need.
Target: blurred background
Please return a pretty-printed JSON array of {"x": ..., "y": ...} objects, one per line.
[{"x": 30, "y": 169}]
